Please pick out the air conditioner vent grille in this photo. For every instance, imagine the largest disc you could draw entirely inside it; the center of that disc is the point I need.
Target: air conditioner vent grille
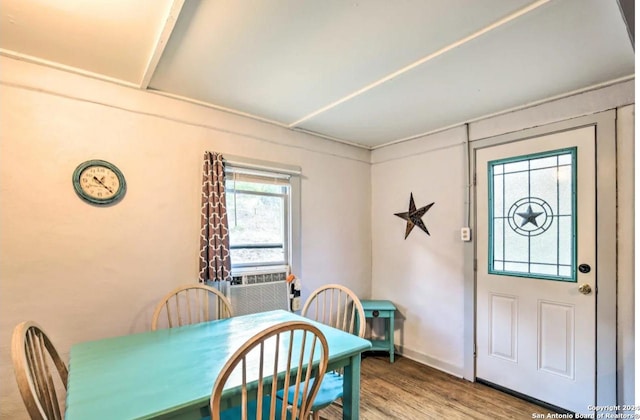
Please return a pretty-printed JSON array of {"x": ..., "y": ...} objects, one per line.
[
  {"x": 258, "y": 276},
  {"x": 259, "y": 291},
  {"x": 253, "y": 298}
]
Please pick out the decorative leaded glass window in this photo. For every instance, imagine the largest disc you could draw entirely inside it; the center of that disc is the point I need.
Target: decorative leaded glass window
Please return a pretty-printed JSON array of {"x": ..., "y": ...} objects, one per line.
[{"x": 532, "y": 215}]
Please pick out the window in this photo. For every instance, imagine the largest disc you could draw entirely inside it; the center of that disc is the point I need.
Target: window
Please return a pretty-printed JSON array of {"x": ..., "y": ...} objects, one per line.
[
  {"x": 532, "y": 216},
  {"x": 259, "y": 210}
]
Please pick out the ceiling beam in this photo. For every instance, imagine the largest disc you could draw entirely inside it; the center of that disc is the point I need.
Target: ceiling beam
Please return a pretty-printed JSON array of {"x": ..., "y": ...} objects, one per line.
[
  {"x": 628, "y": 9},
  {"x": 161, "y": 42},
  {"x": 423, "y": 60}
]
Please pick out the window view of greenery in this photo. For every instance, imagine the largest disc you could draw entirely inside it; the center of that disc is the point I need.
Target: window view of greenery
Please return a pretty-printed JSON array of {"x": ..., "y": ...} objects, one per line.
[{"x": 256, "y": 213}]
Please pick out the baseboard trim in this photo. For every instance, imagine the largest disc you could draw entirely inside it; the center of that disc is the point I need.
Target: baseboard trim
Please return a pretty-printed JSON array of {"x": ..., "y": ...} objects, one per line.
[{"x": 431, "y": 361}]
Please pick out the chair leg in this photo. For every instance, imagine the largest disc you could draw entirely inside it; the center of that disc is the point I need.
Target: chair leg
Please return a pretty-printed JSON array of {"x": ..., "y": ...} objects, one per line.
[{"x": 316, "y": 415}]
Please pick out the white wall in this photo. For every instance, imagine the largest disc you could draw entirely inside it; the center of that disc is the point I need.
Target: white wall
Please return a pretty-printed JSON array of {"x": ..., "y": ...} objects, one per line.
[
  {"x": 425, "y": 275},
  {"x": 87, "y": 272}
]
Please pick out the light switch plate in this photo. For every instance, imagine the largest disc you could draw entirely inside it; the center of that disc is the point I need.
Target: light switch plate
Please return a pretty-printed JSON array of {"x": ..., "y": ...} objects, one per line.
[{"x": 465, "y": 234}]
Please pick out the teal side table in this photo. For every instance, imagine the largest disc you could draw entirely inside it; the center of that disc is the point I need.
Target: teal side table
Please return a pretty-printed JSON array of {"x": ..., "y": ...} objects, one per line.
[{"x": 382, "y": 309}]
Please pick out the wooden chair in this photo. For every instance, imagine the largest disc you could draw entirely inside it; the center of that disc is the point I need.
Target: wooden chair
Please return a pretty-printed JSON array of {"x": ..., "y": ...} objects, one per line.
[
  {"x": 34, "y": 358},
  {"x": 338, "y": 307},
  {"x": 261, "y": 357},
  {"x": 192, "y": 304}
]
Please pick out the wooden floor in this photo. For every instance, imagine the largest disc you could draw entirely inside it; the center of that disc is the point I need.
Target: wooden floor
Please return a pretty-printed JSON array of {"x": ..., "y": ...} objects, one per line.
[{"x": 412, "y": 391}]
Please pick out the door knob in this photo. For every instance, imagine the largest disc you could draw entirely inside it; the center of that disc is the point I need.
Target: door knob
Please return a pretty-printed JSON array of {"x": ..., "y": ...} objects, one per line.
[{"x": 585, "y": 289}]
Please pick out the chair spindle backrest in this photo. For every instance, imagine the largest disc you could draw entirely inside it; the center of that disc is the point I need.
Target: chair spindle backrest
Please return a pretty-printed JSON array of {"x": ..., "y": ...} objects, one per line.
[
  {"x": 35, "y": 360},
  {"x": 285, "y": 351},
  {"x": 191, "y": 304},
  {"x": 336, "y": 306}
]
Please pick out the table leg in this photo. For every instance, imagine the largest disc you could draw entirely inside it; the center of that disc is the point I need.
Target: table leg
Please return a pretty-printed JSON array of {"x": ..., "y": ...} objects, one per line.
[{"x": 351, "y": 389}]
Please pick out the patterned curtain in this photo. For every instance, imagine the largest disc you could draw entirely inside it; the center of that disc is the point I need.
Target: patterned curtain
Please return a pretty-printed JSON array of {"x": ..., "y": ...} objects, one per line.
[{"x": 215, "y": 262}]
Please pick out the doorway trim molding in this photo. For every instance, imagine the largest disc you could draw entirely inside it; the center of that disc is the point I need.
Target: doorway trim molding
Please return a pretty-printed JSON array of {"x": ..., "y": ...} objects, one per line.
[{"x": 606, "y": 250}]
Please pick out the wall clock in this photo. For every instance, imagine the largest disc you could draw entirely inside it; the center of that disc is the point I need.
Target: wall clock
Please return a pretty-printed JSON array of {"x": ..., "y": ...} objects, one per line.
[{"x": 99, "y": 182}]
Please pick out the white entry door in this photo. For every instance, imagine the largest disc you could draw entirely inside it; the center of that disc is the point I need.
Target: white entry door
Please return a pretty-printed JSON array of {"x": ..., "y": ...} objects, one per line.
[{"x": 536, "y": 256}]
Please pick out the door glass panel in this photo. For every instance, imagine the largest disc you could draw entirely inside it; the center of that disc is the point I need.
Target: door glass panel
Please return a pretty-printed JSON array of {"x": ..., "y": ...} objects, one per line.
[{"x": 532, "y": 215}]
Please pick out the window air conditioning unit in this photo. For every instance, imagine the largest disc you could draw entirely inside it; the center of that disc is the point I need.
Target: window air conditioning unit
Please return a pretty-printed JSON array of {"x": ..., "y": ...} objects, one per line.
[{"x": 259, "y": 289}]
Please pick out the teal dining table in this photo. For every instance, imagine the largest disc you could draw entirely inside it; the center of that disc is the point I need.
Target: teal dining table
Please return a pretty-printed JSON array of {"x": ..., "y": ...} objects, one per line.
[{"x": 169, "y": 374}]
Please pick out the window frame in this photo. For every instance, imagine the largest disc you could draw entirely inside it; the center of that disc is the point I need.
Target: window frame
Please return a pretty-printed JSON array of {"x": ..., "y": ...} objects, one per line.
[
  {"x": 572, "y": 278},
  {"x": 292, "y": 237},
  {"x": 286, "y": 222}
]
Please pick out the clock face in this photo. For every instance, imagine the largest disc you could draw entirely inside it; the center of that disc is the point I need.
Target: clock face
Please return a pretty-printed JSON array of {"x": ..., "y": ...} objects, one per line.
[{"x": 99, "y": 182}]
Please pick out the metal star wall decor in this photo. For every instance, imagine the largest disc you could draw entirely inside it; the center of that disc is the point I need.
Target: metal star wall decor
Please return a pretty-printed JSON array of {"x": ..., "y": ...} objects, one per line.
[{"x": 414, "y": 217}]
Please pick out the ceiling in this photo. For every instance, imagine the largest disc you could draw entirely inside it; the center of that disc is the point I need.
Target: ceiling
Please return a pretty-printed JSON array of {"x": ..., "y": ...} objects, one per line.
[{"x": 362, "y": 72}]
